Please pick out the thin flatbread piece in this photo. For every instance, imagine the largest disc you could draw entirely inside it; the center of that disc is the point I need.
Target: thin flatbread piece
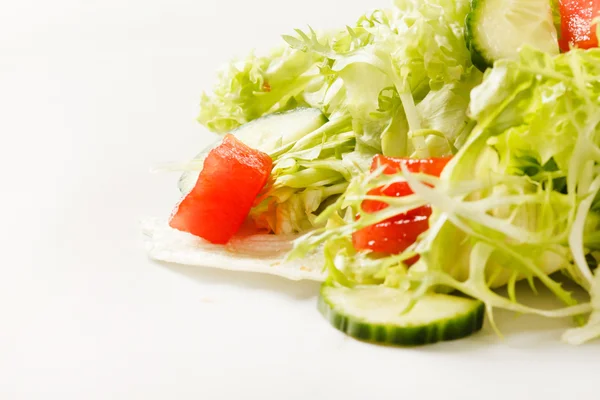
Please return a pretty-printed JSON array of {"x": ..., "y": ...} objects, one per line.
[{"x": 259, "y": 253}]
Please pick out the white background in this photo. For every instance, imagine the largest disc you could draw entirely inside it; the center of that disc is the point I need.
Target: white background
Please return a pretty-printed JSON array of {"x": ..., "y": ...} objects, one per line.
[{"x": 92, "y": 95}]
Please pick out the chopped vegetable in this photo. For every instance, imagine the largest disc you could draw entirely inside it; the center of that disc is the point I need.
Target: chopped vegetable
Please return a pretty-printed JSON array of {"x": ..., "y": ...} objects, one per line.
[
  {"x": 384, "y": 315},
  {"x": 430, "y": 166},
  {"x": 395, "y": 234},
  {"x": 578, "y": 27},
  {"x": 226, "y": 189},
  {"x": 498, "y": 29}
]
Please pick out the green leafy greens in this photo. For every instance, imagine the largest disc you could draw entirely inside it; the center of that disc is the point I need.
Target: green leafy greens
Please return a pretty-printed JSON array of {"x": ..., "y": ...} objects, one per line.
[
  {"x": 518, "y": 201},
  {"x": 396, "y": 82}
]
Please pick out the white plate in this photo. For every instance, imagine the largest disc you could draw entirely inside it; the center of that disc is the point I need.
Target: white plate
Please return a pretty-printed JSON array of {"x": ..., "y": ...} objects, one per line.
[{"x": 95, "y": 93}]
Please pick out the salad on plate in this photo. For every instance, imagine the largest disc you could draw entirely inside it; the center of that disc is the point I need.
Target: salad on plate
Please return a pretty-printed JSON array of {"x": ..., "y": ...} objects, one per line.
[{"x": 415, "y": 161}]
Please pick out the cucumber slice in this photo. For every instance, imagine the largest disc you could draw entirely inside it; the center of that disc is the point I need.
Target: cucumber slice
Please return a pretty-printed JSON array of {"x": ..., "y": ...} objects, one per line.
[
  {"x": 271, "y": 131},
  {"x": 497, "y": 29},
  {"x": 373, "y": 314},
  {"x": 266, "y": 134}
]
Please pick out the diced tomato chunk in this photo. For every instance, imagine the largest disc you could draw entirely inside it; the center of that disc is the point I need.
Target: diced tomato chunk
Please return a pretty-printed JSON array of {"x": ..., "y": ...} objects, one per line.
[
  {"x": 232, "y": 177},
  {"x": 395, "y": 234},
  {"x": 577, "y": 27},
  {"x": 430, "y": 166},
  {"x": 397, "y": 189}
]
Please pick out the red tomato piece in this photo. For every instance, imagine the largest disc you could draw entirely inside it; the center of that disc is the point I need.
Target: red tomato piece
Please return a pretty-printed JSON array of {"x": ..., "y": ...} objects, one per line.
[
  {"x": 395, "y": 234},
  {"x": 232, "y": 177},
  {"x": 577, "y": 28},
  {"x": 430, "y": 166},
  {"x": 398, "y": 189}
]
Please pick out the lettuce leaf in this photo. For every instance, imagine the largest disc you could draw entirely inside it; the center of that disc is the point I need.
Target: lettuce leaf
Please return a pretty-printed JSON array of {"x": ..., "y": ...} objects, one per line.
[
  {"x": 248, "y": 89},
  {"x": 389, "y": 62}
]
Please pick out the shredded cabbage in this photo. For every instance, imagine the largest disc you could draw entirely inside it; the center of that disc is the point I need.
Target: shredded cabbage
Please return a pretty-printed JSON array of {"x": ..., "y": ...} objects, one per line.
[{"x": 519, "y": 200}]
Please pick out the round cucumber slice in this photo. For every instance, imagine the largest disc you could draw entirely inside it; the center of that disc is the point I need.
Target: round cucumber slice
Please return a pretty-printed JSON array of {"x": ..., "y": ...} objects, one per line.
[
  {"x": 373, "y": 314},
  {"x": 266, "y": 134},
  {"x": 497, "y": 29}
]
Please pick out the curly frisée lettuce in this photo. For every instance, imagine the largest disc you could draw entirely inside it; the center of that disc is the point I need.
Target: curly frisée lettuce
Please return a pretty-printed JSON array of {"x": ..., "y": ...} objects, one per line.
[
  {"x": 519, "y": 200},
  {"x": 388, "y": 63},
  {"x": 258, "y": 85}
]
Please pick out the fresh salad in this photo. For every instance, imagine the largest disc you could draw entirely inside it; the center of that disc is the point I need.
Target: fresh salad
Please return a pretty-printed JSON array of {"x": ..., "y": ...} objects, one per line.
[{"x": 429, "y": 153}]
